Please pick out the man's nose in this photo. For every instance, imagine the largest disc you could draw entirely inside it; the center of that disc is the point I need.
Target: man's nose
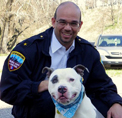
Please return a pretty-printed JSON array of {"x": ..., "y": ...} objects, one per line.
[{"x": 67, "y": 26}]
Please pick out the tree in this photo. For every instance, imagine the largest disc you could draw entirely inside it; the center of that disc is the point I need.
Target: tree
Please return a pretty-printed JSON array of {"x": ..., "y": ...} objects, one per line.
[
  {"x": 14, "y": 18},
  {"x": 18, "y": 16},
  {"x": 5, "y": 22}
]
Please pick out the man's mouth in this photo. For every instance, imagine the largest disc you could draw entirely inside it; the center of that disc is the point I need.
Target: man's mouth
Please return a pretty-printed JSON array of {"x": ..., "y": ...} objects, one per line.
[{"x": 67, "y": 35}]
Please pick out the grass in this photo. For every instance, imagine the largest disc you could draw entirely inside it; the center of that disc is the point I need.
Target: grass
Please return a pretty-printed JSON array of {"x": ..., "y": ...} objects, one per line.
[
  {"x": 3, "y": 54},
  {"x": 114, "y": 72}
]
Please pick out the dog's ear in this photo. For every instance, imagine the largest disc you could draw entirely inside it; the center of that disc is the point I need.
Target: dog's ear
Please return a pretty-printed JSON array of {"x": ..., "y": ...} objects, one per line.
[
  {"x": 48, "y": 71},
  {"x": 80, "y": 69}
]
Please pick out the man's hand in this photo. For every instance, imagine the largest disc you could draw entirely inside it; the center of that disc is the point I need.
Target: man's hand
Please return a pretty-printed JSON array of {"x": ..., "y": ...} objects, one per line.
[
  {"x": 43, "y": 86},
  {"x": 115, "y": 111}
]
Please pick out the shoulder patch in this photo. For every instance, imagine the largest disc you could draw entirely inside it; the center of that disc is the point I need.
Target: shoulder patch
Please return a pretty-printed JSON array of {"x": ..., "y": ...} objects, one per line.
[{"x": 15, "y": 60}]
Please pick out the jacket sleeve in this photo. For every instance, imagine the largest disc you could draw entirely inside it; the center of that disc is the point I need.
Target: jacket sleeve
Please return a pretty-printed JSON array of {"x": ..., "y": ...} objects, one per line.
[
  {"x": 100, "y": 84},
  {"x": 16, "y": 85}
]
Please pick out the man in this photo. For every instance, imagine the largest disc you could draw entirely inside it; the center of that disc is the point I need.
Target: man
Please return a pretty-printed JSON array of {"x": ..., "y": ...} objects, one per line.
[{"x": 25, "y": 87}]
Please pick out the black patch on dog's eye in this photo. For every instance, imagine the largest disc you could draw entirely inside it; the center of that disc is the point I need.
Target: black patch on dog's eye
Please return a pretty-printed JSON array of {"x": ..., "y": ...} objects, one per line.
[
  {"x": 54, "y": 79},
  {"x": 71, "y": 79}
]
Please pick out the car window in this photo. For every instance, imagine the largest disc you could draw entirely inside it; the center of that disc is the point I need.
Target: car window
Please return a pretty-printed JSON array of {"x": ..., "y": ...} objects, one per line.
[{"x": 109, "y": 41}]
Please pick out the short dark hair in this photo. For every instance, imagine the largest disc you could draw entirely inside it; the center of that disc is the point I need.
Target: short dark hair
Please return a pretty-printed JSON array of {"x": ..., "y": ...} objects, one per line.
[{"x": 64, "y": 4}]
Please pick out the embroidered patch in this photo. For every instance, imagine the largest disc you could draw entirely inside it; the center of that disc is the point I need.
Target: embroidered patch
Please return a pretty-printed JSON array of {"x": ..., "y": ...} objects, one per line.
[{"x": 15, "y": 61}]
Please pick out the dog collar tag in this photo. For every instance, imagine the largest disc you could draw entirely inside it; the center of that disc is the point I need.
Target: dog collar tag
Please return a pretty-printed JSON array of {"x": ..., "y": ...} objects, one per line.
[{"x": 58, "y": 112}]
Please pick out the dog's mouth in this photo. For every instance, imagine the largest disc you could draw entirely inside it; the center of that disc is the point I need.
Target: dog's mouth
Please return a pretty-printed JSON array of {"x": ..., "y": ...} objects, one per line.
[
  {"x": 61, "y": 97},
  {"x": 64, "y": 99}
]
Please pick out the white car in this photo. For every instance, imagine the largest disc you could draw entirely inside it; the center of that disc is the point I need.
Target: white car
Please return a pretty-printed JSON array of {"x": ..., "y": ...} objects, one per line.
[{"x": 110, "y": 49}]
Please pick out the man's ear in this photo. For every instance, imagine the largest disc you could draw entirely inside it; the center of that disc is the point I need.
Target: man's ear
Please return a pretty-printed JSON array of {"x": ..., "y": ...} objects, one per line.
[
  {"x": 80, "y": 69},
  {"x": 48, "y": 71},
  {"x": 53, "y": 22},
  {"x": 81, "y": 23}
]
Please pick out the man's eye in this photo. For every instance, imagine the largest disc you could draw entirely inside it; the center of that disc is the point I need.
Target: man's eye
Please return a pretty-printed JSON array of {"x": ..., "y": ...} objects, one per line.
[
  {"x": 62, "y": 22},
  {"x": 54, "y": 79},
  {"x": 74, "y": 24}
]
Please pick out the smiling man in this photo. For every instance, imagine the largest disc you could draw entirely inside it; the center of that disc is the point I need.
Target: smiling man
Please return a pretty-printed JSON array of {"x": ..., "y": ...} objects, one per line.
[
  {"x": 26, "y": 87},
  {"x": 67, "y": 23}
]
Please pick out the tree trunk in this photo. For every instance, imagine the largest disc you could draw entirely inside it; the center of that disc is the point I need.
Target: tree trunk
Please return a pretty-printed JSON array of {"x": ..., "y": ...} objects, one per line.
[
  {"x": 6, "y": 27},
  {"x": 5, "y": 38}
]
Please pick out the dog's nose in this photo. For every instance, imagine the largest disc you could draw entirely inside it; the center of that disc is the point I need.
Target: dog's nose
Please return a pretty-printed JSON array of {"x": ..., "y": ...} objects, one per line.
[{"x": 62, "y": 89}]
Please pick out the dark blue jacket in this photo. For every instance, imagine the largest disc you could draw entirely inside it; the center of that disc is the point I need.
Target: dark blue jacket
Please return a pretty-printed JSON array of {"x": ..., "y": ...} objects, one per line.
[{"x": 20, "y": 86}]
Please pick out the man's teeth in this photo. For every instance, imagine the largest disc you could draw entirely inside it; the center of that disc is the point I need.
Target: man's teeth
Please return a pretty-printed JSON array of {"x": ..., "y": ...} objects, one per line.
[{"x": 67, "y": 34}]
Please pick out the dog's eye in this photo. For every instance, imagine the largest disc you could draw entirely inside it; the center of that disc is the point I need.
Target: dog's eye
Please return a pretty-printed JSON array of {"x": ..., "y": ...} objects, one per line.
[
  {"x": 71, "y": 79},
  {"x": 54, "y": 79}
]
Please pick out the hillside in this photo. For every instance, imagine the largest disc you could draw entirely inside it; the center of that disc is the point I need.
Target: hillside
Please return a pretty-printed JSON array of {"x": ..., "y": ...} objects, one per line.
[{"x": 99, "y": 21}]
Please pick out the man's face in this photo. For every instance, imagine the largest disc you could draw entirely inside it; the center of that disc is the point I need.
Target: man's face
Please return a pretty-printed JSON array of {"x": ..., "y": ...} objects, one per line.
[{"x": 67, "y": 24}]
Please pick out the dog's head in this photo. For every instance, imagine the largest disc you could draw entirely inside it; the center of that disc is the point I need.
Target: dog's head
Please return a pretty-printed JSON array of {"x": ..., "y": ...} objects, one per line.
[{"x": 64, "y": 84}]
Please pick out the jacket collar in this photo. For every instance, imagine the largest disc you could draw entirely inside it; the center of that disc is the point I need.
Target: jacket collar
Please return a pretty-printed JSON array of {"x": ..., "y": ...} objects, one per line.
[{"x": 47, "y": 36}]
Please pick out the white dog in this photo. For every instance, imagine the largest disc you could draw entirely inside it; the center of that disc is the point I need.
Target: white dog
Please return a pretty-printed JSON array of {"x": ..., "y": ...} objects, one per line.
[{"x": 68, "y": 93}]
